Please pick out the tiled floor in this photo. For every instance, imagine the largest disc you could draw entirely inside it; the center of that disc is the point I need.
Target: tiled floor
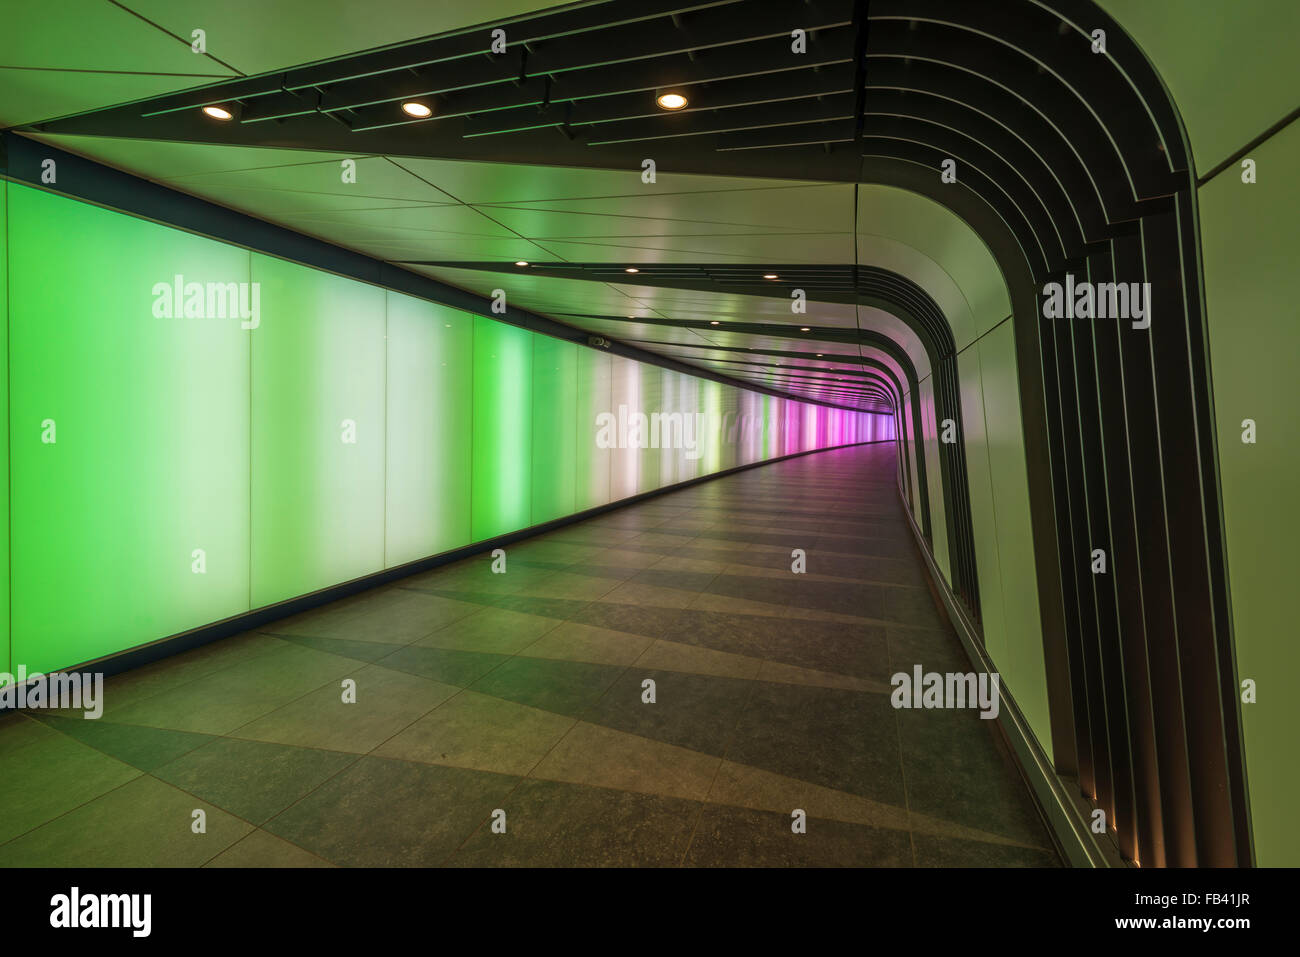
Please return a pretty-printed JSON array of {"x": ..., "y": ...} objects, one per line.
[{"x": 523, "y": 692}]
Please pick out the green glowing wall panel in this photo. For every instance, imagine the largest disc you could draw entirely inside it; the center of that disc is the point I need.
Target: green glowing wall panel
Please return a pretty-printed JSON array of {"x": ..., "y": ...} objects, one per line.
[
  {"x": 429, "y": 418},
  {"x": 500, "y": 499},
  {"x": 318, "y": 431},
  {"x": 729, "y": 428},
  {"x": 128, "y": 434},
  {"x": 688, "y": 401},
  {"x": 710, "y": 403},
  {"x": 649, "y": 462},
  {"x": 625, "y": 462},
  {"x": 671, "y": 459},
  {"x": 688, "y": 465},
  {"x": 1250, "y": 249},
  {"x": 555, "y": 430},
  {"x": 750, "y": 426},
  {"x": 682, "y": 397},
  {"x": 594, "y": 396},
  {"x": 205, "y": 463}
]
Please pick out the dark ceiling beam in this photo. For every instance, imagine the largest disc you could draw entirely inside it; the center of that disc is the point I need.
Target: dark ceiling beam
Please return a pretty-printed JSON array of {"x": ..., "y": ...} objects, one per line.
[
  {"x": 794, "y": 368},
  {"x": 696, "y": 30},
  {"x": 458, "y": 45},
  {"x": 874, "y": 286},
  {"x": 843, "y": 283},
  {"x": 926, "y": 159},
  {"x": 779, "y": 377},
  {"x": 957, "y": 118},
  {"x": 886, "y": 345},
  {"x": 947, "y": 46},
  {"x": 775, "y": 118},
  {"x": 1062, "y": 52},
  {"x": 502, "y": 89},
  {"x": 826, "y": 135},
  {"x": 999, "y": 116},
  {"x": 800, "y": 366},
  {"x": 794, "y": 380},
  {"x": 601, "y": 112},
  {"x": 443, "y": 140},
  {"x": 830, "y": 282},
  {"x": 1128, "y": 60},
  {"x": 864, "y": 399},
  {"x": 969, "y": 49},
  {"x": 855, "y": 385},
  {"x": 649, "y": 21}
]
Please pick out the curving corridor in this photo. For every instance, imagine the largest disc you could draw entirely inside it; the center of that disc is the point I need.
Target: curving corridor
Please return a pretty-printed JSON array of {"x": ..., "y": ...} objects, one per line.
[
  {"x": 649, "y": 433},
  {"x": 524, "y": 691}
]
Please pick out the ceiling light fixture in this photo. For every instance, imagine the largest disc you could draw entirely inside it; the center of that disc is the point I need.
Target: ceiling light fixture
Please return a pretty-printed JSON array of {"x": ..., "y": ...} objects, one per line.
[
  {"x": 631, "y": 269},
  {"x": 671, "y": 101},
  {"x": 417, "y": 109},
  {"x": 521, "y": 262},
  {"x": 804, "y": 329},
  {"x": 769, "y": 275},
  {"x": 218, "y": 112},
  {"x": 714, "y": 322}
]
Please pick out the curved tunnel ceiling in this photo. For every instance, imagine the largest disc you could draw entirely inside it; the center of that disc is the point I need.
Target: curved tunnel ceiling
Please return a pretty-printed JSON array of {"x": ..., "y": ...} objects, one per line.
[{"x": 1006, "y": 90}]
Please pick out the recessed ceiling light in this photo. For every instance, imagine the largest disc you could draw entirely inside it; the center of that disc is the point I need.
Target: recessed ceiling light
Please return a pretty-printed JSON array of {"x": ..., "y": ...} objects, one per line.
[
  {"x": 631, "y": 269},
  {"x": 803, "y": 329},
  {"x": 714, "y": 322},
  {"x": 416, "y": 109},
  {"x": 671, "y": 101},
  {"x": 521, "y": 262},
  {"x": 769, "y": 275},
  {"x": 218, "y": 112}
]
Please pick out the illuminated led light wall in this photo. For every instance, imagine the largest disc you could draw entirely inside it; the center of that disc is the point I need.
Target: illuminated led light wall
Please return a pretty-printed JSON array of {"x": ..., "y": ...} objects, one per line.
[
  {"x": 429, "y": 445},
  {"x": 129, "y": 434},
  {"x": 555, "y": 437},
  {"x": 197, "y": 430},
  {"x": 318, "y": 430},
  {"x": 593, "y": 464},
  {"x": 501, "y": 490}
]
